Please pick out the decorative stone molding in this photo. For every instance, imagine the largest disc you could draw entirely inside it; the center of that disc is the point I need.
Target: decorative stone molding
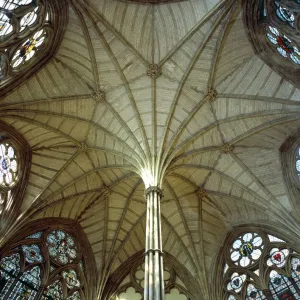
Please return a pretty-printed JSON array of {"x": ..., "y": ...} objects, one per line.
[
  {"x": 154, "y": 189},
  {"x": 154, "y": 71},
  {"x": 211, "y": 95},
  {"x": 226, "y": 148},
  {"x": 99, "y": 96},
  {"x": 201, "y": 193},
  {"x": 82, "y": 147}
]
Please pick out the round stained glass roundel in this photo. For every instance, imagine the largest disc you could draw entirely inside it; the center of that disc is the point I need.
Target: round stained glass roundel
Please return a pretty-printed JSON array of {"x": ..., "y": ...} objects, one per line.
[
  {"x": 8, "y": 165},
  {"x": 61, "y": 247},
  {"x": 246, "y": 249}
]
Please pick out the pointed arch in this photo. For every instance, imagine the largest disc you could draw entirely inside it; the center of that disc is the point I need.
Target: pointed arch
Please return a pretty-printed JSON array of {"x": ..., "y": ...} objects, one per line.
[
  {"x": 256, "y": 263},
  {"x": 48, "y": 259},
  {"x": 15, "y": 160}
]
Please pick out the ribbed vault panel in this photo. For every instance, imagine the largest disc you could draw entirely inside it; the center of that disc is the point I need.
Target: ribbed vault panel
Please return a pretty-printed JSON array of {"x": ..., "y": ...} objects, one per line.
[{"x": 95, "y": 121}]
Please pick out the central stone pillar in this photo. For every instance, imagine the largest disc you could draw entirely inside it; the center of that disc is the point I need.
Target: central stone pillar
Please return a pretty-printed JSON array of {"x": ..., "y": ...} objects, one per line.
[{"x": 154, "y": 271}]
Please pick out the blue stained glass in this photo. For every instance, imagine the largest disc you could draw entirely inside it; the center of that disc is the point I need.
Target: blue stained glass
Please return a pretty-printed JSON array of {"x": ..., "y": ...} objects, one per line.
[
  {"x": 280, "y": 285},
  {"x": 36, "y": 235},
  {"x": 32, "y": 253},
  {"x": 27, "y": 286},
  {"x": 298, "y": 165},
  {"x": 272, "y": 39},
  {"x": 75, "y": 296},
  {"x": 281, "y": 51},
  {"x": 54, "y": 291},
  {"x": 253, "y": 293},
  {"x": 285, "y": 15},
  {"x": 295, "y": 263},
  {"x": 61, "y": 247},
  {"x": 10, "y": 268},
  {"x": 71, "y": 279}
]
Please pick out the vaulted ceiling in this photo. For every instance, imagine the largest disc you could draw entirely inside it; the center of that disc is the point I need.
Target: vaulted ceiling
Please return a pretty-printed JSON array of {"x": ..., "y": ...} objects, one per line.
[{"x": 131, "y": 92}]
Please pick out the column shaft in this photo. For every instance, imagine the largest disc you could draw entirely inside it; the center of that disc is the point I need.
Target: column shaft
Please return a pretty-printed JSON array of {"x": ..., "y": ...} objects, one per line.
[{"x": 154, "y": 281}]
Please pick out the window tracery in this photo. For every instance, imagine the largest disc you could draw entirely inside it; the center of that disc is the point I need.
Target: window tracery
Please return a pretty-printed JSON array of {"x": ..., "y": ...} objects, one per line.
[
  {"x": 38, "y": 258},
  {"x": 132, "y": 286},
  {"x": 274, "y": 29},
  {"x": 30, "y": 30},
  {"x": 274, "y": 273}
]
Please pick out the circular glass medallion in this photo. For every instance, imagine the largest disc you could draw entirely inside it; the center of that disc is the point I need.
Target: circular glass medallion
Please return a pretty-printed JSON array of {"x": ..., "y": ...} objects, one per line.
[{"x": 246, "y": 249}]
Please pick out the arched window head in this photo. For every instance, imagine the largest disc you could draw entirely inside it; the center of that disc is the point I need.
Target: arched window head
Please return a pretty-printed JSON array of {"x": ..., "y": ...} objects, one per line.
[
  {"x": 15, "y": 158},
  {"x": 127, "y": 282},
  {"x": 30, "y": 31},
  {"x": 258, "y": 265},
  {"x": 274, "y": 29},
  {"x": 46, "y": 264},
  {"x": 8, "y": 165}
]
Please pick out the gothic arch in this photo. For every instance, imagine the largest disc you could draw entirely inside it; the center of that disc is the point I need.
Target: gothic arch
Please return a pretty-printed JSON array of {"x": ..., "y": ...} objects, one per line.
[
  {"x": 251, "y": 258},
  {"x": 178, "y": 277},
  {"x": 30, "y": 33},
  {"x": 60, "y": 252},
  {"x": 12, "y": 192},
  {"x": 262, "y": 19},
  {"x": 289, "y": 151}
]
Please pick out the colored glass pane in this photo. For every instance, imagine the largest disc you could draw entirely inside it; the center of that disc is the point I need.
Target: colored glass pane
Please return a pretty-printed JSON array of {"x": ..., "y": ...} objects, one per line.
[
  {"x": 253, "y": 293},
  {"x": 284, "y": 45},
  {"x": 281, "y": 287},
  {"x": 54, "y": 291},
  {"x": 71, "y": 279},
  {"x": 6, "y": 18},
  {"x": 295, "y": 264},
  {"x": 74, "y": 296},
  {"x": 277, "y": 257},
  {"x": 28, "y": 19},
  {"x": 32, "y": 253},
  {"x": 36, "y": 235},
  {"x": 236, "y": 282},
  {"x": 246, "y": 249},
  {"x": 8, "y": 165},
  {"x": 9, "y": 269},
  {"x": 27, "y": 285},
  {"x": 284, "y": 14},
  {"x": 61, "y": 247},
  {"x": 28, "y": 48}
]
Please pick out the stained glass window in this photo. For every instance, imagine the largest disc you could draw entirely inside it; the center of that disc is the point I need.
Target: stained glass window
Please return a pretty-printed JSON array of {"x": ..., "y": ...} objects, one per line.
[
  {"x": 74, "y": 296},
  {"x": 22, "y": 272},
  {"x": 284, "y": 14},
  {"x": 8, "y": 165},
  {"x": 276, "y": 264},
  {"x": 246, "y": 249},
  {"x": 61, "y": 247},
  {"x": 29, "y": 48},
  {"x": 54, "y": 291},
  {"x": 253, "y": 293},
  {"x": 281, "y": 287},
  {"x": 298, "y": 162},
  {"x": 32, "y": 253},
  {"x": 285, "y": 47},
  {"x": 26, "y": 33}
]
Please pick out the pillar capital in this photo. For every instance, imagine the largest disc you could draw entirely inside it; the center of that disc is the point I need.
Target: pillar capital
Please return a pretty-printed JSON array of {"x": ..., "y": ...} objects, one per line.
[{"x": 154, "y": 189}]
